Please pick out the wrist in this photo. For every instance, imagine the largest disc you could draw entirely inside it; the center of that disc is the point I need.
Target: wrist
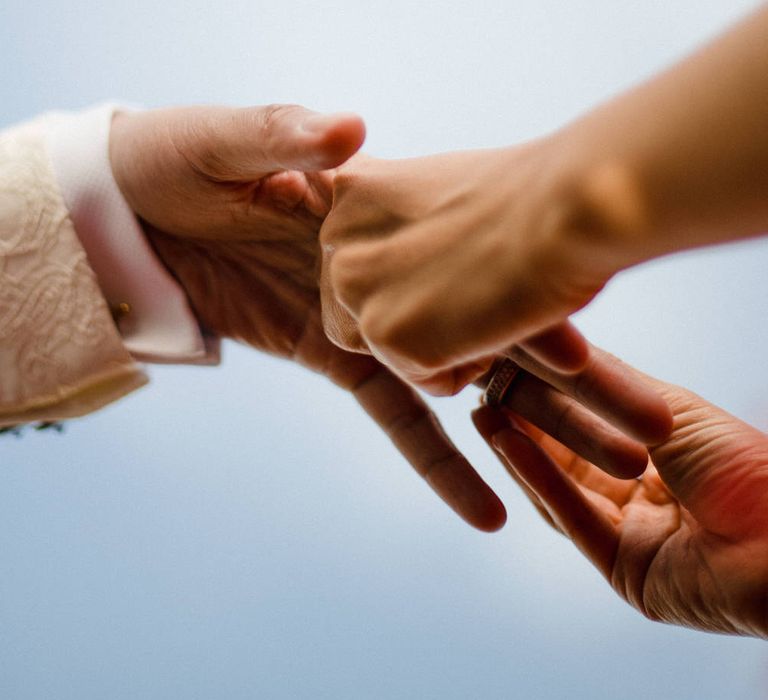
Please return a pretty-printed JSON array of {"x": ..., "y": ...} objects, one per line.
[{"x": 597, "y": 211}]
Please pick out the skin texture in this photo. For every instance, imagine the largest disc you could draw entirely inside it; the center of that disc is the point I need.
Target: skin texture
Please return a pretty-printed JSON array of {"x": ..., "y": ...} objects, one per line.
[
  {"x": 687, "y": 543},
  {"x": 232, "y": 201},
  {"x": 437, "y": 265}
]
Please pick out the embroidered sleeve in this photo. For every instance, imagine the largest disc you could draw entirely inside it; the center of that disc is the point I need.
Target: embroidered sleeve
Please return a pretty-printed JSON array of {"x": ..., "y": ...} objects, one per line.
[{"x": 60, "y": 353}]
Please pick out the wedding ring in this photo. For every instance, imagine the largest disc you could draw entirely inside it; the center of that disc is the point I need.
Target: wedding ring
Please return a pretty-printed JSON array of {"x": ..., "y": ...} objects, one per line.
[{"x": 500, "y": 382}]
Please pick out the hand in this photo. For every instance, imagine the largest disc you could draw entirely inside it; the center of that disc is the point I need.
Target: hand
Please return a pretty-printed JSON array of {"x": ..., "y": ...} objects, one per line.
[
  {"x": 688, "y": 542},
  {"x": 232, "y": 201},
  {"x": 437, "y": 265}
]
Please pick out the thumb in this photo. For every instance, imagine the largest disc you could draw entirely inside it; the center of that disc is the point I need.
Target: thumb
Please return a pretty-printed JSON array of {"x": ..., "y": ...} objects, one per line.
[
  {"x": 715, "y": 464},
  {"x": 251, "y": 142}
]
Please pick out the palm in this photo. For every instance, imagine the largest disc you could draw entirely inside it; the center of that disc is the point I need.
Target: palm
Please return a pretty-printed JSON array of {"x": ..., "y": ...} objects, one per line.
[
  {"x": 702, "y": 564},
  {"x": 718, "y": 466},
  {"x": 699, "y": 579},
  {"x": 675, "y": 570}
]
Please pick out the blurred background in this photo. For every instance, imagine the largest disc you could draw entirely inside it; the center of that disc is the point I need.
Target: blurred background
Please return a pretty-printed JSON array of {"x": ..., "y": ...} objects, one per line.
[{"x": 246, "y": 532}]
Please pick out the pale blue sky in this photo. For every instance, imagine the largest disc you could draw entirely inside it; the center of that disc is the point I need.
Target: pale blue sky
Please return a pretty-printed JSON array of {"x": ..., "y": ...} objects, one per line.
[{"x": 245, "y": 532}]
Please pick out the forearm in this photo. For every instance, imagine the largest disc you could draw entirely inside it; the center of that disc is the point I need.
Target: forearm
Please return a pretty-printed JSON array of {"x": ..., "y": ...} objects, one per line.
[{"x": 678, "y": 162}]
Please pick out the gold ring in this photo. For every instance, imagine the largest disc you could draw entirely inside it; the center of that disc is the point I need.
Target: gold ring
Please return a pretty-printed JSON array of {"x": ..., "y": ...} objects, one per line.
[{"x": 500, "y": 382}]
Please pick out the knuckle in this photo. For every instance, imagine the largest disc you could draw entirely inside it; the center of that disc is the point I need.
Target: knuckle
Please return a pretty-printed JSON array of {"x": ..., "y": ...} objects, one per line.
[
  {"x": 271, "y": 127},
  {"x": 204, "y": 139},
  {"x": 193, "y": 138},
  {"x": 270, "y": 116}
]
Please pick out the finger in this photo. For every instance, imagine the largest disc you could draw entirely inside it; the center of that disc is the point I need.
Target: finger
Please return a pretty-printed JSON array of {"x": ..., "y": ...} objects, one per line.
[
  {"x": 417, "y": 433},
  {"x": 249, "y": 143},
  {"x": 562, "y": 348},
  {"x": 611, "y": 389},
  {"x": 579, "y": 518},
  {"x": 571, "y": 424},
  {"x": 489, "y": 421},
  {"x": 584, "y": 473},
  {"x": 411, "y": 426}
]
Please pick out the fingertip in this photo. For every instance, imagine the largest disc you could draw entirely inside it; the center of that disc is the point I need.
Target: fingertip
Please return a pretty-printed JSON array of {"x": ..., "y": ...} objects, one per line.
[
  {"x": 659, "y": 423},
  {"x": 338, "y": 137},
  {"x": 650, "y": 420},
  {"x": 469, "y": 496},
  {"x": 485, "y": 512},
  {"x": 628, "y": 461},
  {"x": 492, "y": 518}
]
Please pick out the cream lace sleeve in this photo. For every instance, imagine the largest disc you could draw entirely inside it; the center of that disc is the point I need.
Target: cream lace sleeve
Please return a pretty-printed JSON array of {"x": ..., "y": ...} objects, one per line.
[{"x": 60, "y": 353}]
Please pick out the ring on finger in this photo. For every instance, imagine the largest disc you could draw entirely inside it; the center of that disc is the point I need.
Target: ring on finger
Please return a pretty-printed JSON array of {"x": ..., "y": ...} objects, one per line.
[{"x": 500, "y": 382}]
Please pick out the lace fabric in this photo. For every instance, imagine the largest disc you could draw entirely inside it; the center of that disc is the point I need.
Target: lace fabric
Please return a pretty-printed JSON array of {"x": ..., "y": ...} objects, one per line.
[{"x": 60, "y": 353}]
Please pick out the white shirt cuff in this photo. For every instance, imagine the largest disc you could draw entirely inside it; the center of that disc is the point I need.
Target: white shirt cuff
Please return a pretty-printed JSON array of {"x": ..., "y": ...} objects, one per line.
[{"x": 160, "y": 326}]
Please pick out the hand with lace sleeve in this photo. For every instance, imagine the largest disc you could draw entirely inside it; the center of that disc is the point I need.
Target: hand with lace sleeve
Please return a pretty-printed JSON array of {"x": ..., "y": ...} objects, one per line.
[{"x": 232, "y": 201}]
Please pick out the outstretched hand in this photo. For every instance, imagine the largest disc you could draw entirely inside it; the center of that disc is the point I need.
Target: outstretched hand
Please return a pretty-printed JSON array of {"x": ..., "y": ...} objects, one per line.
[{"x": 687, "y": 543}]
